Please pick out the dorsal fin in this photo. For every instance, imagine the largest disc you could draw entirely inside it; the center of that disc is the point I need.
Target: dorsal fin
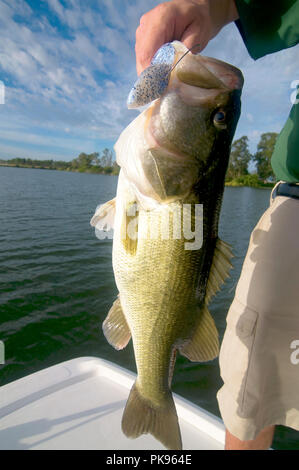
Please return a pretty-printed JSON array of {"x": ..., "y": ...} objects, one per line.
[
  {"x": 171, "y": 366},
  {"x": 220, "y": 268},
  {"x": 204, "y": 343}
]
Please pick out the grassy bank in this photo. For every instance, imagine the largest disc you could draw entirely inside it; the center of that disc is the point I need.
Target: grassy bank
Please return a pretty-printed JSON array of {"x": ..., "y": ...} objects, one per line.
[
  {"x": 252, "y": 181},
  {"x": 64, "y": 166}
]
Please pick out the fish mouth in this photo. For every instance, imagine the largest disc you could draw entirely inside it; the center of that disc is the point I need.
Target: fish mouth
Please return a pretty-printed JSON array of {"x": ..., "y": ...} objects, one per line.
[
  {"x": 174, "y": 64},
  {"x": 210, "y": 73},
  {"x": 202, "y": 80}
]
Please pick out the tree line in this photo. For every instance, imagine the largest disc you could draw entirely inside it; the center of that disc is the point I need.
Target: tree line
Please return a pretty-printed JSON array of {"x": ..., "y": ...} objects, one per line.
[
  {"x": 91, "y": 163},
  {"x": 237, "y": 174},
  {"x": 241, "y": 158}
]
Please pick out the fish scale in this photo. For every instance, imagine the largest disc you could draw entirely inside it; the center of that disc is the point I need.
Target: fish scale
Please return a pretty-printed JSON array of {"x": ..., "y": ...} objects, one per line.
[
  {"x": 173, "y": 157},
  {"x": 160, "y": 300}
]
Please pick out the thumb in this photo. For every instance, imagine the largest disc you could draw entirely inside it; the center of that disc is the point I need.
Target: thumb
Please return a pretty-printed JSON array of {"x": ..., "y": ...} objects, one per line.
[{"x": 194, "y": 36}]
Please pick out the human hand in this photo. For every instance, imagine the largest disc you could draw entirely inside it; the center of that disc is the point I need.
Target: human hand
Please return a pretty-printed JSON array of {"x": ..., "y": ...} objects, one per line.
[{"x": 189, "y": 21}]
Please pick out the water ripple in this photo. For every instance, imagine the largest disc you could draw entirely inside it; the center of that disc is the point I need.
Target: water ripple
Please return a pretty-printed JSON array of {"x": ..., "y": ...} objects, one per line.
[{"x": 56, "y": 279}]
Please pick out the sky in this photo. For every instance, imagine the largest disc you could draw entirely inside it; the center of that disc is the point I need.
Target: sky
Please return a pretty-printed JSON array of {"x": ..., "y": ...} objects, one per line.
[{"x": 68, "y": 66}]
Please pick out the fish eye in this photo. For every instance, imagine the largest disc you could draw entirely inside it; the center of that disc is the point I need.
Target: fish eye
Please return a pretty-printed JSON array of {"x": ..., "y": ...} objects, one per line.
[{"x": 219, "y": 119}]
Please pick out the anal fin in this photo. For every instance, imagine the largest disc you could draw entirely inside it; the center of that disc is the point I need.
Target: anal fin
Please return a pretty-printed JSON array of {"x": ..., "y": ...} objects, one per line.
[{"x": 115, "y": 327}]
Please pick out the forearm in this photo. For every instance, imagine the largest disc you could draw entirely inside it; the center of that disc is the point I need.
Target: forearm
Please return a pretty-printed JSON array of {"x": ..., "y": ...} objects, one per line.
[{"x": 222, "y": 12}]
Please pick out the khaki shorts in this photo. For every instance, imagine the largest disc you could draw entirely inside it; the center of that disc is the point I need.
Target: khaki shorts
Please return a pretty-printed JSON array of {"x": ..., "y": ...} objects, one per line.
[{"x": 259, "y": 356}]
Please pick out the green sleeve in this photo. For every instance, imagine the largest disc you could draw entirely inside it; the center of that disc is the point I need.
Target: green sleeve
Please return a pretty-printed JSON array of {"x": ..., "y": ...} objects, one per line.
[
  {"x": 268, "y": 26},
  {"x": 285, "y": 158}
]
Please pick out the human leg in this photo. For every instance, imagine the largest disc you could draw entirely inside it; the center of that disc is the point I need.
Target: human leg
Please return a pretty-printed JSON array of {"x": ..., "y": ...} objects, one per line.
[
  {"x": 261, "y": 384},
  {"x": 262, "y": 442}
]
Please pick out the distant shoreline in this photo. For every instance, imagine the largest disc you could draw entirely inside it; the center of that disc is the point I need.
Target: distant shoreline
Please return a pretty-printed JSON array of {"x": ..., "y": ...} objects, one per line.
[
  {"x": 94, "y": 171},
  {"x": 233, "y": 184},
  {"x": 111, "y": 171}
]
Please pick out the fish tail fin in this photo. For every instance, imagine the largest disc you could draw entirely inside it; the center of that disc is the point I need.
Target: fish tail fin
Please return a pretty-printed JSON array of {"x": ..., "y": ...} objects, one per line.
[{"x": 142, "y": 417}]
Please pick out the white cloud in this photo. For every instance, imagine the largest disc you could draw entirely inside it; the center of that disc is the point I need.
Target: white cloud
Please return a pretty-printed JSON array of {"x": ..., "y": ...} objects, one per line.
[
  {"x": 13, "y": 151},
  {"x": 56, "y": 6},
  {"x": 54, "y": 79},
  {"x": 77, "y": 76}
]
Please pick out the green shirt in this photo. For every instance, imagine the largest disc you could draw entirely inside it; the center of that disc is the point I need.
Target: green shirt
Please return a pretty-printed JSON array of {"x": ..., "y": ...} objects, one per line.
[{"x": 269, "y": 26}]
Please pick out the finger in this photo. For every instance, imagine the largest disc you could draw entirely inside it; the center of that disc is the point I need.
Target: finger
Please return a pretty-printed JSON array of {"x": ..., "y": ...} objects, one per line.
[
  {"x": 156, "y": 28},
  {"x": 147, "y": 43},
  {"x": 194, "y": 36}
]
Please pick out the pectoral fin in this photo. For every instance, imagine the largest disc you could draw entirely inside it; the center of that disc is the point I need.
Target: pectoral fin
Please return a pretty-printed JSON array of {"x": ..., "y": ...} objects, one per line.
[
  {"x": 129, "y": 228},
  {"x": 103, "y": 218},
  {"x": 115, "y": 327}
]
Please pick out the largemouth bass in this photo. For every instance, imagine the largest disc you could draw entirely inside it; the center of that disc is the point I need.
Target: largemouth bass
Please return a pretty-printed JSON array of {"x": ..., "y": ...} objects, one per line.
[{"x": 167, "y": 258}]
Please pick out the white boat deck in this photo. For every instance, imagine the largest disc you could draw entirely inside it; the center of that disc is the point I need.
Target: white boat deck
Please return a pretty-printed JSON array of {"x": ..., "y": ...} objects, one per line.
[{"x": 78, "y": 404}]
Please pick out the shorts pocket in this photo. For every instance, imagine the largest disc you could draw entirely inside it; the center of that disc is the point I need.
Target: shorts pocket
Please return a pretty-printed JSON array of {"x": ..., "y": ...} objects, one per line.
[{"x": 236, "y": 350}]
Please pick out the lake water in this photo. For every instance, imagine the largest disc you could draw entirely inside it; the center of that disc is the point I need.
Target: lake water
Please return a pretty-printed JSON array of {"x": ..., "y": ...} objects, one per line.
[{"x": 57, "y": 283}]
